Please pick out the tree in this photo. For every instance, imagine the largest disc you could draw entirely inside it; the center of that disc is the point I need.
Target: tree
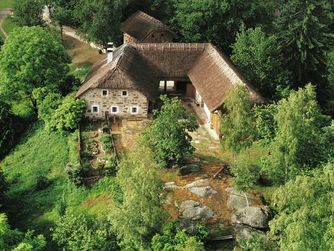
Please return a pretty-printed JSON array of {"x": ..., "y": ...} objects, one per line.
[
  {"x": 218, "y": 21},
  {"x": 246, "y": 172},
  {"x": 258, "y": 57},
  {"x": 93, "y": 22},
  {"x": 28, "y": 12},
  {"x": 237, "y": 123},
  {"x": 31, "y": 58},
  {"x": 329, "y": 106},
  {"x": 17, "y": 241},
  {"x": 47, "y": 103},
  {"x": 303, "y": 29},
  {"x": 140, "y": 215},
  {"x": 80, "y": 232},
  {"x": 299, "y": 143},
  {"x": 265, "y": 123},
  {"x": 168, "y": 135},
  {"x": 173, "y": 237},
  {"x": 68, "y": 114},
  {"x": 304, "y": 219}
]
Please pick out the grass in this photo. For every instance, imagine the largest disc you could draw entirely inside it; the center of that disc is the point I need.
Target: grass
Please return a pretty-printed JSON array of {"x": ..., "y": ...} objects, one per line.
[
  {"x": 6, "y": 4},
  {"x": 9, "y": 25},
  {"x": 41, "y": 153}
]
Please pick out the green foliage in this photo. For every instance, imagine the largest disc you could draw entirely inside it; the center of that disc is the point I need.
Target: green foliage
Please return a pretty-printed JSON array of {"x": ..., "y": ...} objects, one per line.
[
  {"x": 265, "y": 123},
  {"x": 257, "y": 243},
  {"x": 168, "y": 136},
  {"x": 218, "y": 21},
  {"x": 329, "y": 102},
  {"x": 140, "y": 215},
  {"x": 304, "y": 219},
  {"x": 31, "y": 58},
  {"x": 303, "y": 29},
  {"x": 7, "y": 131},
  {"x": 47, "y": 104},
  {"x": 68, "y": 115},
  {"x": 94, "y": 25},
  {"x": 299, "y": 143},
  {"x": 173, "y": 238},
  {"x": 257, "y": 56},
  {"x": 77, "y": 232},
  {"x": 237, "y": 123},
  {"x": 246, "y": 172},
  {"x": 28, "y": 12},
  {"x": 16, "y": 241},
  {"x": 106, "y": 142}
]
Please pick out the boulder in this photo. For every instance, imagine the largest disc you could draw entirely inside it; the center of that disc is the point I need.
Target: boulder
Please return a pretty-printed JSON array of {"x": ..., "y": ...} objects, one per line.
[
  {"x": 245, "y": 233},
  {"x": 198, "y": 183},
  {"x": 237, "y": 200},
  {"x": 192, "y": 210},
  {"x": 203, "y": 191},
  {"x": 256, "y": 217},
  {"x": 187, "y": 169},
  {"x": 170, "y": 185}
]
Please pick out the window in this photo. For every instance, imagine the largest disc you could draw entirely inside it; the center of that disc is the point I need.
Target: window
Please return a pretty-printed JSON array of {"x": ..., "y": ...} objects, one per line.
[
  {"x": 114, "y": 109},
  {"x": 124, "y": 93},
  {"x": 104, "y": 93},
  {"x": 95, "y": 108},
  {"x": 134, "y": 110}
]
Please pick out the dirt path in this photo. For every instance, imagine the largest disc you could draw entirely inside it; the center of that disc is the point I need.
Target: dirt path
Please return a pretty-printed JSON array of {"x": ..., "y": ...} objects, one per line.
[{"x": 3, "y": 14}]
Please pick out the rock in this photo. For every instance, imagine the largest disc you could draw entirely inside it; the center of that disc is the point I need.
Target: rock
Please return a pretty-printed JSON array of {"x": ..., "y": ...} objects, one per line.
[
  {"x": 237, "y": 200},
  {"x": 198, "y": 183},
  {"x": 187, "y": 169},
  {"x": 202, "y": 191},
  {"x": 192, "y": 210},
  {"x": 170, "y": 185},
  {"x": 245, "y": 233},
  {"x": 256, "y": 217}
]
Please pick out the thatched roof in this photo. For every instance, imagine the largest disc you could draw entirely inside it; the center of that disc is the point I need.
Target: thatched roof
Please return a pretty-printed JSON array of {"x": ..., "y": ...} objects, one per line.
[
  {"x": 139, "y": 25},
  {"x": 141, "y": 66},
  {"x": 127, "y": 71}
]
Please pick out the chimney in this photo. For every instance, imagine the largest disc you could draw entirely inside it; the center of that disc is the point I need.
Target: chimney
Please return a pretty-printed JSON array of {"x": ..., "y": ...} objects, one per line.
[{"x": 110, "y": 52}]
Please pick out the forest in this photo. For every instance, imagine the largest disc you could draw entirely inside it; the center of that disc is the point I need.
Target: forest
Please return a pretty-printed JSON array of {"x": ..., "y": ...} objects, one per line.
[{"x": 282, "y": 148}]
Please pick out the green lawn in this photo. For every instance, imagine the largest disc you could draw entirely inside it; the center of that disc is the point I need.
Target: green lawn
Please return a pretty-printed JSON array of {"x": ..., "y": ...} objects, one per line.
[
  {"x": 6, "y": 4},
  {"x": 9, "y": 25},
  {"x": 45, "y": 154}
]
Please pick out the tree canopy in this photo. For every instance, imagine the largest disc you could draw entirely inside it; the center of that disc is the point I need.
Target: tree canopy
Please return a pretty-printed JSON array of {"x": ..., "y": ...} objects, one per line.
[
  {"x": 28, "y": 12},
  {"x": 168, "y": 136},
  {"x": 304, "y": 219},
  {"x": 237, "y": 123},
  {"x": 31, "y": 57}
]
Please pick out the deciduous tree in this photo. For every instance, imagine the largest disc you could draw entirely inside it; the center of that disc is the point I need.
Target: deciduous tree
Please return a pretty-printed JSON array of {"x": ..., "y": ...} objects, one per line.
[
  {"x": 168, "y": 136},
  {"x": 237, "y": 123},
  {"x": 140, "y": 215},
  {"x": 304, "y": 219},
  {"x": 31, "y": 58},
  {"x": 28, "y": 12},
  {"x": 258, "y": 57},
  {"x": 299, "y": 143}
]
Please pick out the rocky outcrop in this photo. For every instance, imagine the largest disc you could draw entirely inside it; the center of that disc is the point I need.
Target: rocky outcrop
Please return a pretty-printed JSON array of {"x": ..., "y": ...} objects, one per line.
[
  {"x": 194, "y": 211},
  {"x": 255, "y": 217},
  {"x": 245, "y": 233},
  {"x": 187, "y": 169},
  {"x": 201, "y": 188},
  {"x": 237, "y": 200}
]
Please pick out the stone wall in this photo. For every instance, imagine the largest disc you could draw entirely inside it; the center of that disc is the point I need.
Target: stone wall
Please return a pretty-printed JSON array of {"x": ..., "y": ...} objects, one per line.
[{"x": 114, "y": 98}]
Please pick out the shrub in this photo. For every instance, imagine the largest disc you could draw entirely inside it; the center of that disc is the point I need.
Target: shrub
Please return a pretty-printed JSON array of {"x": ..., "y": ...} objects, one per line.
[
  {"x": 75, "y": 174},
  {"x": 42, "y": 183},
  {"x": 106, "y": 142}
]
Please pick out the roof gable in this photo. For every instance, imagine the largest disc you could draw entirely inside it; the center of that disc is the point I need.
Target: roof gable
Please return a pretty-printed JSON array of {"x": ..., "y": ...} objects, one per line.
[{"x": 140, "y": 25}]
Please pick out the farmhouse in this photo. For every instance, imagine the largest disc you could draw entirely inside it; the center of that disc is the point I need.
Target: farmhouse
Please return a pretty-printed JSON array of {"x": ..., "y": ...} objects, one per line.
[{"x": 129, "y": 80}]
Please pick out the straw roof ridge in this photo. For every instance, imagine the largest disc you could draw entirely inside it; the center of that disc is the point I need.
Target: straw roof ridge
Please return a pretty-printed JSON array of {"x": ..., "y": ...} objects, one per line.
[{"x": 139, "y": 25}]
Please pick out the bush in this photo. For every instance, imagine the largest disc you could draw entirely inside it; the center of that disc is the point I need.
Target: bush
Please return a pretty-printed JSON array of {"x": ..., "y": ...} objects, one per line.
[
  {"x": 68, "y": 115},
  {"x": 75, "y": 174},
  {"x": 106, "y": 141}
]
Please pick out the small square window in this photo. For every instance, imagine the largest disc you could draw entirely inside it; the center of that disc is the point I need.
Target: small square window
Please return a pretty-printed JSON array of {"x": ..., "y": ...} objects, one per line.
[
  {"x": 124, "y": 93},
  {"x": 95, "y": 109},
  {"x": 114, "y": 109},
  {"x": 104, "y": 93},
  {"x": 134, "y": 110}
]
